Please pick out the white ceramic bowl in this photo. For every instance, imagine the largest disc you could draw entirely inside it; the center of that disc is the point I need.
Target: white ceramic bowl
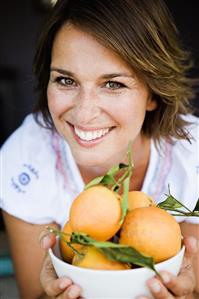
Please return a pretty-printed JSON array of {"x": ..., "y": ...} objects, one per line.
[{"x": 112, "y": 284}]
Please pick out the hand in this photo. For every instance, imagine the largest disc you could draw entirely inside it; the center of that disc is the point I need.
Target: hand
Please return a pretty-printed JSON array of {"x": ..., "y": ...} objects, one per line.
[
  {"x": 60, "y": 288},
  {"x": 179, "y": 287}
]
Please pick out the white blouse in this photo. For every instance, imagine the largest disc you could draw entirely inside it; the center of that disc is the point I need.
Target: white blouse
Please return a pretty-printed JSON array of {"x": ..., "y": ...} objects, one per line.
[{"x": 40, "y": 179}]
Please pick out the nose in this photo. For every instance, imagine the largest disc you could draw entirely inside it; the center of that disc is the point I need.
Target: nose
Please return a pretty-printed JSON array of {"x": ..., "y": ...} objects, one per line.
[{"x": 86, "y": 108}]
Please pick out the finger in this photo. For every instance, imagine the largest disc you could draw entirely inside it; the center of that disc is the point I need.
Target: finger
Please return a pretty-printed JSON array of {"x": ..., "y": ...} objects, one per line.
[
  {"x": 158, "y": 290},
  {"x": 184, "y": 283},
  {"x": 179, "y": 285},
  {"x": 191, "y": 245},
  {"x": 52, "y": 285},
  {"x": 56, "y": 288},
  {"x": 47, "y": 271},
  {"x": 47, "y": 240},
  {"x": 72, "y": 292}
]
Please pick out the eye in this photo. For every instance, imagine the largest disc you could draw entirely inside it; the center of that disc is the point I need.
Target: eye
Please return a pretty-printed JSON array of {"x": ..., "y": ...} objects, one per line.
[
  {"x": 65, "y": 81},
  {"x": 114, "y": 85}
]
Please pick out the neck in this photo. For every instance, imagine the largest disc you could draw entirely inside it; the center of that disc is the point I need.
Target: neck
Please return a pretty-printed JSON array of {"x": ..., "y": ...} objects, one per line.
[{"x": 140, "y": 158}]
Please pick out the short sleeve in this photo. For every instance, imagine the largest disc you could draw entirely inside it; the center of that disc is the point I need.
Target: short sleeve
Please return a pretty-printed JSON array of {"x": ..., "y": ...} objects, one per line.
[
  {"x": 31, "y": 187},
  {"x": 194, "y": 185},
  {"x": 174, "y": 168},
  {"x": 186, "y": 170}
]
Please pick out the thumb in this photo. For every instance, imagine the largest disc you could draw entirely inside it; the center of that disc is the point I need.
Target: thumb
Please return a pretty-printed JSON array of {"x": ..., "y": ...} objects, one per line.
[
  {"x": 191, "y": 249},
  {"x": 191, "y": 245},
  {"x": 52, "y": 285},
  {"x": 47, "y": 240}
]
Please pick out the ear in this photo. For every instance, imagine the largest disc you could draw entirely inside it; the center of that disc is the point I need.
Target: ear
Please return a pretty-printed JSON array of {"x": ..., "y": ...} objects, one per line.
[{"x": 151, "y": 104}]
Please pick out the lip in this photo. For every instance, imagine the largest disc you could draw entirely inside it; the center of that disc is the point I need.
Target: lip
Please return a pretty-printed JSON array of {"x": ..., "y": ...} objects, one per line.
[
  {"x": 89, "y": 129},
  {"x": 90, "y": 143}
]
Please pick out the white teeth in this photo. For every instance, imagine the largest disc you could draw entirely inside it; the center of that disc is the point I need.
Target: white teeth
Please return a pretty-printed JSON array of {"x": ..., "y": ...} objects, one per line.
[{"x": 90, "y": 135}]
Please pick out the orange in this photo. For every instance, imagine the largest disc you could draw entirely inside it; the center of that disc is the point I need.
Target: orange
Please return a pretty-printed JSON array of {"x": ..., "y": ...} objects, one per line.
[
  {"x": 96, "y": 212},
  {"x": 139, "y": 199},
  {"x": 153, "y": 232},
  {"x": 94, "y": 259},
  {"x": 66, "y": 252}
]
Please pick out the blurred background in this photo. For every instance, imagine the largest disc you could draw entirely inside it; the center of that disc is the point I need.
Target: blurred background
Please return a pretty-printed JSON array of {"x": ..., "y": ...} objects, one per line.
[{"x": 20, "y": 23}]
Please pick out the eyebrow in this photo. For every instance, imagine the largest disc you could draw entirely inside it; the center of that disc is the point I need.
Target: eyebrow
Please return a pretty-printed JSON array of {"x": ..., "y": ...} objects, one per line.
[{"x": 104, "y": 76}]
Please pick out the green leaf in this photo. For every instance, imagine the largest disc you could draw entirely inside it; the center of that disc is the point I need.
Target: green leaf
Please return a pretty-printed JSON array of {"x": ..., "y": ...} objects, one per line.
[
  {"x": 128, "y": 255},
  {"x": 196, "y": 209},
  {"x": 94, "y": 182},
  {"x": 124, "y": 204},
  {"x": 173, "y": 205},
  {"x": 170, "y": 203},
  {"x": 114, "y": 170},
  {"x": 108, "y": 180},
  {"x": 84, "y": 239},
  {"x": 115, "y": 252}
]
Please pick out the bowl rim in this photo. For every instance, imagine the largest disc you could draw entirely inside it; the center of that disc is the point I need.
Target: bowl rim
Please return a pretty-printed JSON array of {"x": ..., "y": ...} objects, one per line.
[{"x": 114, "y": 272}]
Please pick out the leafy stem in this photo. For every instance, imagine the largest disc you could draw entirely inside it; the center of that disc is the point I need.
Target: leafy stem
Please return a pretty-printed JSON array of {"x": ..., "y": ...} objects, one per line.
[
  {"x": 62, "y": 236},
  {"x": 174, "y": 205},
  {"x": 109, "y": 179},
  {"x": 113, "y": 251}
]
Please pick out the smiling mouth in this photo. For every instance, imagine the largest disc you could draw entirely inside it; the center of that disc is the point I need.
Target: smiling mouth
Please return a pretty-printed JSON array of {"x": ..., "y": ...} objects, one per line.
[{"x": 91, "y": 135}]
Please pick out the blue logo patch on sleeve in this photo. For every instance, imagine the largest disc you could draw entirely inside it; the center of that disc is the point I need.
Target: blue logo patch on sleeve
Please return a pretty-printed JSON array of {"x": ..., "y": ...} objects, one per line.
[
  {"x": 21, "y": 182},
  {"x": 24, "y": 178}
]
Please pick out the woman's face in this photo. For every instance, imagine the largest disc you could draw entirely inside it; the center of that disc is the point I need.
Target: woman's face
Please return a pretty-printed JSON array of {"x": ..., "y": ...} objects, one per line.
[{"x": 96, "y": 101}]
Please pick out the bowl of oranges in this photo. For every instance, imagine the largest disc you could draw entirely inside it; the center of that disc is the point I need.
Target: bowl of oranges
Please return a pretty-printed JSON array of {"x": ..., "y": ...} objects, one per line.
[{"x": 110, "y": 247}]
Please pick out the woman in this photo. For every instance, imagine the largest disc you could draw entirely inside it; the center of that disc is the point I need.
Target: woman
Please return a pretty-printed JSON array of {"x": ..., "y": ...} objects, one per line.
[{"x": 108, "y": 72}]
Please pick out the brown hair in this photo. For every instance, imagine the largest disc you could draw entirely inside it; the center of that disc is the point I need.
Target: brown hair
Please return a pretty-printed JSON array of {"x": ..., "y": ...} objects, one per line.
[{"x": 143, "y": 34}]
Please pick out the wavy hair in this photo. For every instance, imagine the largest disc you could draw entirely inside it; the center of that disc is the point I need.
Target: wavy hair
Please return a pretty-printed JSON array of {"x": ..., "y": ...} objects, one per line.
[{"x": 143, "y": 33}]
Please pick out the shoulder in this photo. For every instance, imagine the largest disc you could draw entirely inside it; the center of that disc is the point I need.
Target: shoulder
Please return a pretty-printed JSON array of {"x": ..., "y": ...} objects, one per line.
[
  {"x": 180, "y": 151},
  {"x": 30, "y": 176},
  {"x": 184, "y": 153},
  {"x": 27, "y": 147},
  {"x": 183, "y": 175},
  {"x": 192, "y": 126},
  {"x": 176, "y": 166},
  {"x": 30, "y": 142},
  {"x": 191, "y": 146},
  {"x": 26, "y": 133}
]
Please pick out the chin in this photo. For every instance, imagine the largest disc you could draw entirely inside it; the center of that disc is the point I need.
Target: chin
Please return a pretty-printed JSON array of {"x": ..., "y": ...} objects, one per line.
[
  {"x": 98, "y": 164},
  {"x": 88, "y": 161}
]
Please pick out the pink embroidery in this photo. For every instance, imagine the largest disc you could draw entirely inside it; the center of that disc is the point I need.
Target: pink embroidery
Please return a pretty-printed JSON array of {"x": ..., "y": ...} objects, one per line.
[
  {"x": 62, "y": 165},
  {"x": 162, "y": 171},
  {"x": 59, "y": 164}
]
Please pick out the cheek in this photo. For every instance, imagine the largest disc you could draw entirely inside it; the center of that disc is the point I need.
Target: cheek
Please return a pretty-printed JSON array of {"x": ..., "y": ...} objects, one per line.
[
  {"x": 56, "y": 103},
  {"x": 130, "y": 113},
  {"x": 51, "y": 96}
]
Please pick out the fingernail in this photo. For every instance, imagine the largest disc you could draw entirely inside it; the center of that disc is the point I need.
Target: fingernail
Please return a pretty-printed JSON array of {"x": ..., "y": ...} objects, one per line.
[
  {"x": 165, "y": 277},
  {"x": 73, "y": 293},
  {"x": 193, "y": 241},
  {"x": 65, "y": 283},
  {"x": 155, "y": 286},
  {"x": 45, "y": 242}
]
